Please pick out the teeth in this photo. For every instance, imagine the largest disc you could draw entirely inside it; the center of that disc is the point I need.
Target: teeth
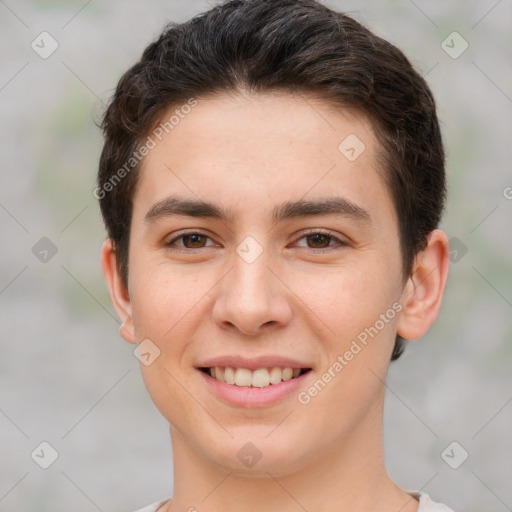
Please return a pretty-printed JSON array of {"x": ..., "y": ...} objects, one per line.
[
  {"x": 243, "y": 377},
  {"x": 229, "y": 375},
  {"x": 275, "y": 376},
  {"x": 219, "y": 375},
  {"x": 260, "y": 378}
]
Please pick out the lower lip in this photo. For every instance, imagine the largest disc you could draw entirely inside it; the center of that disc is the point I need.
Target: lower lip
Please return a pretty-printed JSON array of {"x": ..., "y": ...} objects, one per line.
[{"x": 243, "y": 396}]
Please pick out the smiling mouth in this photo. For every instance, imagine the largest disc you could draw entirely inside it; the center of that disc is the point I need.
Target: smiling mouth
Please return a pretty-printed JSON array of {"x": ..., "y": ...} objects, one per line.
[{"x": 260, "y": 378}]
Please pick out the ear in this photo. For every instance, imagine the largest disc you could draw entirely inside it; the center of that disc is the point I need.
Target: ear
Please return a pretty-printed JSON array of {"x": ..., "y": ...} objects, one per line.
[
  {"x": 118, "y": 292},
  {"x": 423, "y": 292}
]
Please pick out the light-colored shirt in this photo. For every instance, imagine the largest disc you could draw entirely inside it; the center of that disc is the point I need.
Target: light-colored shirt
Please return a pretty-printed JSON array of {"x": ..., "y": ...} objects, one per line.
[{"x": 426, "y": 504}]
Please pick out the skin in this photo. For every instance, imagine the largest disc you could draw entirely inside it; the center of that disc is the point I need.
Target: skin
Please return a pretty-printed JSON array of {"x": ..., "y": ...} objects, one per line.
[{"x": 303, "y": 297}]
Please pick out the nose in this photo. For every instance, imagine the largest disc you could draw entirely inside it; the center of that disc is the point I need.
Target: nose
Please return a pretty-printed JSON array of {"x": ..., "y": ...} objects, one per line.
[{"x": 252, "y": 298}]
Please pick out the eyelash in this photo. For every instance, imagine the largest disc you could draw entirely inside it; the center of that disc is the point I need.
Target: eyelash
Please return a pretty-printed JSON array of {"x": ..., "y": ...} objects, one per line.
[{"x": 329, "y": 234}]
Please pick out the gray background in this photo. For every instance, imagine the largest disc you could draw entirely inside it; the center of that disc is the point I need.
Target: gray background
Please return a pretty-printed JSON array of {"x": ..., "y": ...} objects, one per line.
[{"x": 66, "y": 376}]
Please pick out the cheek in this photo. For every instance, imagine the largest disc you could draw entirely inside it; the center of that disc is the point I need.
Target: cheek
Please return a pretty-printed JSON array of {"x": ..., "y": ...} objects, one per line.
[
  {"x": 162, "y": 299},
  {"x": 348, "y": 299}
]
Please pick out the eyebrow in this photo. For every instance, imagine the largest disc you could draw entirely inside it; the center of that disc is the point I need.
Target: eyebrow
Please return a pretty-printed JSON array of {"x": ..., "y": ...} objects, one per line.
[{"x": 339, "y": 206}]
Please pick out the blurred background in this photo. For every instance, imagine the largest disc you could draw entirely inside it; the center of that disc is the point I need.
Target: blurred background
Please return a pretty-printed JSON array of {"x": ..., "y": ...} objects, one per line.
[{"x": 71, "y": 395}]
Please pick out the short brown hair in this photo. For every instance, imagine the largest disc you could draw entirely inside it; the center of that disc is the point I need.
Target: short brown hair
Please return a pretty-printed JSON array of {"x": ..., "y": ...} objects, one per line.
[{"x": 285, "y": 45}]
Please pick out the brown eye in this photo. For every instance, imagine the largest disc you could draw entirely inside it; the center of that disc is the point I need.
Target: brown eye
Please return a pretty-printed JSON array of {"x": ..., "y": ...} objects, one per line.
[
  {"x": 194, "y": 239},
  {"x": 319, "y": 240},
  {"x": 322, "y": 241},
  {"x": 190, "y": 241}
]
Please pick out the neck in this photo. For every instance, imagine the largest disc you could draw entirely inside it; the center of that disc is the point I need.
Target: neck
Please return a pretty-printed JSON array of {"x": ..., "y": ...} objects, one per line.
[{"x": 349, "y": 475}]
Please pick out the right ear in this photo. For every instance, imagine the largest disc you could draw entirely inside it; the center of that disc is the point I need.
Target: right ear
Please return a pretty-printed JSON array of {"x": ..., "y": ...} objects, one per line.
[{"x": 118, "y": 292}]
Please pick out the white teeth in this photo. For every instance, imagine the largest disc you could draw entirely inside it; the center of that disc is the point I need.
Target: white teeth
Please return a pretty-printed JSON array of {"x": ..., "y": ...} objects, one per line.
[
  {"x": 260, "y": 378},
  {"x": 219, "y": 375},
  {"x": 229, "y": 375},
  {"x": 275, "y": 375},
  {"x": 287, "y": 374},
  {"x": 243, "y": 377}
]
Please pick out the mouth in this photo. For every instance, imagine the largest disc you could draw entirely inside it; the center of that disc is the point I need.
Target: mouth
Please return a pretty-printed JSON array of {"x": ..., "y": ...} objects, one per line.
[{"x": 257, "y": 378}]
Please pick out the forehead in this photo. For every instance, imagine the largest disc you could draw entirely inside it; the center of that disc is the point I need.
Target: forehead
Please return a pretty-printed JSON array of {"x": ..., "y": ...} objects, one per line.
[{"x": 265, "y": 146}]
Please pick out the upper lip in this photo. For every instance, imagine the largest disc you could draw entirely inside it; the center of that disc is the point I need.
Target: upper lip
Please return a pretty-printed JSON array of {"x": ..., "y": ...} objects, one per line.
[{"x": 263, "y": 361}]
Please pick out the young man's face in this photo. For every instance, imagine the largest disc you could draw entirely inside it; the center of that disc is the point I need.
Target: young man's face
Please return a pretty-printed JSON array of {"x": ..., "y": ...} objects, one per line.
[{"x": 302, "y": 290}]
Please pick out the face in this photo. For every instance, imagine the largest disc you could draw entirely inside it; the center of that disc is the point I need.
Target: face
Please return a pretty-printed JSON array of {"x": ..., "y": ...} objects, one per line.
[{"x": 294, "y": 263}]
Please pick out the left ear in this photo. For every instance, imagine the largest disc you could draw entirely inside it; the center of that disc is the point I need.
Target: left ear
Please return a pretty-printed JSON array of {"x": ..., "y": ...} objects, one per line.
[{"x": 423, "y": 292}]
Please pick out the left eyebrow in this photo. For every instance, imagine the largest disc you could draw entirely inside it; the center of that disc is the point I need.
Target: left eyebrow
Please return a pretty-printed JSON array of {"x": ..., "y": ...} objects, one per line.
[
  {"x": 327, "y": 206},
  {"x": 174, "y": 205}
]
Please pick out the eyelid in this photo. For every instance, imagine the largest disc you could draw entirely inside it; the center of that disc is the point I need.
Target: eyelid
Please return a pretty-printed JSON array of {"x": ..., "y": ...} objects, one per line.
[
  {"x": 330, "y": 234},
  {"x": 181, "y": 234},
  {"x": 303, "y": 234}
]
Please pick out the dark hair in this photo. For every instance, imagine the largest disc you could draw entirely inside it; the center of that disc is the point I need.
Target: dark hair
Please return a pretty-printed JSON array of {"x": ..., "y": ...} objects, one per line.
[{"x": 280, "y": 45}]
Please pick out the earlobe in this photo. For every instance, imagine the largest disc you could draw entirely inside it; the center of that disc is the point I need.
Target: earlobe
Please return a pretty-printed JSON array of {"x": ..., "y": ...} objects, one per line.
[
  {"x": 423, "y": 292},
  {"x": 118, "y": 292}
]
